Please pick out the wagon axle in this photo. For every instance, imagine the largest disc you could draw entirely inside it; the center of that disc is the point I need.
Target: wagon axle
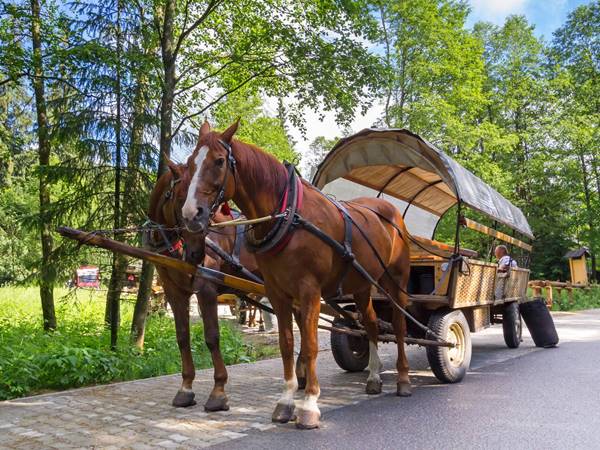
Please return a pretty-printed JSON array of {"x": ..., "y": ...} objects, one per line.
[{"x": 387, "y": 337}]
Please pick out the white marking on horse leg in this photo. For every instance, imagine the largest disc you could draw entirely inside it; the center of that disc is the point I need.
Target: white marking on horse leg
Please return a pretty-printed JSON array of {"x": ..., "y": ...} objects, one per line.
[
  {"x": 186, "y": 389},
  {"x": 374, "y": 363},
  {"x": 310, "y": 403},
  {"x": 190, "y": 207},
  {"x": 290, "y": 388}
]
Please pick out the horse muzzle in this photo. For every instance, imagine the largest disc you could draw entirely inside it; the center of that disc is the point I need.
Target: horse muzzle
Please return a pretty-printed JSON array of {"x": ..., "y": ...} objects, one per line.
[{"x": 198, "y": 223}]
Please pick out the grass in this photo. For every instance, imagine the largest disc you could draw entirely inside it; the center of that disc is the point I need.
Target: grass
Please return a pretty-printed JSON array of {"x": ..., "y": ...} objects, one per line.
[
  {"x": 78, "y": 352},
  {"x": 582, "y": 299}
]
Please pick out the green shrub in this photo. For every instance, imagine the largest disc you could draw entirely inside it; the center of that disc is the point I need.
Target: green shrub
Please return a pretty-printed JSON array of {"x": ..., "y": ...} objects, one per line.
[
  {"x": 582, "y": 299},
  {"x": 78, "y": 352}
]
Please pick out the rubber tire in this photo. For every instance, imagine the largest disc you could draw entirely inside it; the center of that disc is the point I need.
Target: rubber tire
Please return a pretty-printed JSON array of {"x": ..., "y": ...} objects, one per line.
[
  {"x": 539, "y": 322},
  {"x": 441, "y": 366},
  {"x": 512, "y": 326},
  {"x": 341, "y": 347}
]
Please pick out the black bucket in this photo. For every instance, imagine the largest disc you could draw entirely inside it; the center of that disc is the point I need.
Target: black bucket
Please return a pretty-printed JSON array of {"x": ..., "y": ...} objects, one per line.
[{"x": 539, "y": 322}]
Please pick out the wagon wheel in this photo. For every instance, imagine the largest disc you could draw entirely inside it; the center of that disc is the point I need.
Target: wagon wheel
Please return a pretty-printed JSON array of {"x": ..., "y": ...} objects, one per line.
[
  {"x": 450, "y": 365},
  {"x": 512, "y": 325},
  {"x": 351, "y": 353}
]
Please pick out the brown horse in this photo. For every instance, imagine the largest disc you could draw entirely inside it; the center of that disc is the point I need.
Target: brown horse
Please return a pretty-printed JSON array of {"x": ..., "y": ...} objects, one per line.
[
  {"x": 304, "y": 268},
  {"x": 166, "y": 202}
]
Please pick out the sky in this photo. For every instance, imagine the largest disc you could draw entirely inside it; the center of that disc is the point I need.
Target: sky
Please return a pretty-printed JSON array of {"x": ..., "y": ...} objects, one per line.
[{"x": 546, "y": 15}]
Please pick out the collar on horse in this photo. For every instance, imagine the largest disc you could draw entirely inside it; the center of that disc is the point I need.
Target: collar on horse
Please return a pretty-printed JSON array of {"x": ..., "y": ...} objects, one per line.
[{"x": 280, "y": 234}]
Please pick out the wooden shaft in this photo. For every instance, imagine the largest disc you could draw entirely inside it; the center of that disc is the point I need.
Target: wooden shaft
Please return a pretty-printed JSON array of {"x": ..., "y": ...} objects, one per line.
[
  {"x": 161, "y": 260},
  {"x": 497, "y": 234}
]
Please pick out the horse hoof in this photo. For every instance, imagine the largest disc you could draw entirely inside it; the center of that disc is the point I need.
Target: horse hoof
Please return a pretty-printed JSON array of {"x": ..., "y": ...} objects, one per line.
[
  {"x": 183, "y": 399},
  {"x": 307, "y": 420},
  {"x": 301, "y": 383},
  {"x": 404, "y": 390},
  {"x": 374, "y": 387},
  {"x": 283, "y": 413},
  {"x": 216, "y": 404}
]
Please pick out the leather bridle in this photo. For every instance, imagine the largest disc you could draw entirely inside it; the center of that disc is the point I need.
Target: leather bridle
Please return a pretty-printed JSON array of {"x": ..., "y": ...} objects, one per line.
[{"x": 231, "y": 162}]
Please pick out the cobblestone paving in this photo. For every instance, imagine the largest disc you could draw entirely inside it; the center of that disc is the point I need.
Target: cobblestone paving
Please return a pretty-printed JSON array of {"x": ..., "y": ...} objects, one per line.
[{"x": 139, "y": 415}]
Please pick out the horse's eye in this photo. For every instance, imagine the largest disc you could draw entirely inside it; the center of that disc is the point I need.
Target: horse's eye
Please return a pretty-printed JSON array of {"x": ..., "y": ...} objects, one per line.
[{"x": 219, "y": 162}]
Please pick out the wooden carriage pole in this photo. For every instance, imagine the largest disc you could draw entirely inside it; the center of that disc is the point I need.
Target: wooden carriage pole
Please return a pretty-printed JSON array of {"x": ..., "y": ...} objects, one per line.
[{"x": 215, "y": 276}]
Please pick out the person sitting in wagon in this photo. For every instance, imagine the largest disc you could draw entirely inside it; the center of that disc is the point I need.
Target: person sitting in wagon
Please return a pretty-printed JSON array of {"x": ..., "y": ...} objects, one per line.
[
  {"x": 505, "y": 262},
  {"x": 504, "y": 259}
]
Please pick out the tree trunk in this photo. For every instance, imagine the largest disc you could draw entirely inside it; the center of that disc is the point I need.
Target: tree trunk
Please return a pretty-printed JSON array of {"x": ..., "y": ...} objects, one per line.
[
  {"x": 119, "y": 263},
  {"x": 47, "y": 272},
  {"x": 168, "y": 93},
  {"x": 138, "y": 323},
  {"x": 590, "y": 213},
  {"x": 140, "y": 311},
  {"x": 386, "y": 40}
]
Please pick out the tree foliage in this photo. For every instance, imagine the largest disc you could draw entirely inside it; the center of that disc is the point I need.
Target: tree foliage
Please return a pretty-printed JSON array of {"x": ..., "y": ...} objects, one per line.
[{"x": 520, "y": 112}]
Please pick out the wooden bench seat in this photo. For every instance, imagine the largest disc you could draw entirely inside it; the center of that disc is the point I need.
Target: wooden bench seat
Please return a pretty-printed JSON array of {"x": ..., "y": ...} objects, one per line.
[{"x": 425, "y": 248}]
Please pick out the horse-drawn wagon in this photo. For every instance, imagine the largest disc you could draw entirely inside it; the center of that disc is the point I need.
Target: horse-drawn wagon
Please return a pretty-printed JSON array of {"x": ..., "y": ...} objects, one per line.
[
  {"x": 451, "y": 288},
  {"x": 374, "y": 264}
]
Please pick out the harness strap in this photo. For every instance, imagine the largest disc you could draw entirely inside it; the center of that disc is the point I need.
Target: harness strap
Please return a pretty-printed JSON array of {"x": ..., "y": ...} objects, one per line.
[
  {"x": 312, "y": 228},
  {"x": 232, "y": 262},
  {"x": 280, "y": 234},
  {"x": 348, "y": 255},
  {"x": 168, "y": 248}
]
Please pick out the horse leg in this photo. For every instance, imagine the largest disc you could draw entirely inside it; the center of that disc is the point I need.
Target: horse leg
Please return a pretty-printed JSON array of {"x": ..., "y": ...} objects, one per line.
[
  {"x": 207, "y": 301},
  {"x": 284, "y": 410},
  {"x": 309, "y": 414},
  {"x": 403, "y": 388},
  {"x": 180, "y": 304},
  {"x": 369, "y": 320},
  {"x": 261, "y": 322},
  {"x": 300, "y": 364}
]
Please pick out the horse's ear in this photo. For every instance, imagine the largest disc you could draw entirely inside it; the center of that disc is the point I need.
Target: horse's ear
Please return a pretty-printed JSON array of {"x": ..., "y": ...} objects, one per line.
[
  {"x": 174, "y": 168},
  {"x": 204, "y": 129},
  {"x": 227, "y": 135}
]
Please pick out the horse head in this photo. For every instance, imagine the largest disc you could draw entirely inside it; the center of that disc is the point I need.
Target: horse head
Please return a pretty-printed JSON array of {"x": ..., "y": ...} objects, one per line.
[{"x": 211, "y": 174}]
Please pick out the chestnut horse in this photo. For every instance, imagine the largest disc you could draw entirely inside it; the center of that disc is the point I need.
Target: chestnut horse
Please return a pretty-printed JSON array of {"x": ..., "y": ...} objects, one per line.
[
  {"x": 166, "y": 202},
  {"x": 303, "y": 268}
]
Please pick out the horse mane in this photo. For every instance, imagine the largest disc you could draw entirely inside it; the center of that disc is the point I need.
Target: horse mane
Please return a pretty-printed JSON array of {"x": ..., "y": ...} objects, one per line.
[
  {"x": 156, "y": 196},
  {"x": 259, "y": 166}
]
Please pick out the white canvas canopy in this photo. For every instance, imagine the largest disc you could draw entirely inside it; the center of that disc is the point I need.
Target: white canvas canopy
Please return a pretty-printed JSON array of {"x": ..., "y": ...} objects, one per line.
[{"x": 402, "y": 165}]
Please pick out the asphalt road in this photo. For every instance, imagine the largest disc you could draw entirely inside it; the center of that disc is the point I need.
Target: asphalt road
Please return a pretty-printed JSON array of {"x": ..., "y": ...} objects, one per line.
[{"x": 526, "y": 398}]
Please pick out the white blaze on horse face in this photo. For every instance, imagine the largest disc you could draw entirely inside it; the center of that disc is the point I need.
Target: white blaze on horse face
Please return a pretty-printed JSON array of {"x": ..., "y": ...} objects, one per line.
[
  {"x": 374, "y": 362},
  {"x": 190, "y": 207},
  {"x": 290, "y": 388}
]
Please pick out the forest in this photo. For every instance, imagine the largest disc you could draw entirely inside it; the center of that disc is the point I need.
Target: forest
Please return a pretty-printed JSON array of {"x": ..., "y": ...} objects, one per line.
[{"x": 94, "y": 95}]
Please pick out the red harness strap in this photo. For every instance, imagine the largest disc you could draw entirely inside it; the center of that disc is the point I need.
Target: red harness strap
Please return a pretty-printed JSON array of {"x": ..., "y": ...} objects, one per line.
[
  {"x": 285, "y": 241},
  {"x": 173, "y": 249}
]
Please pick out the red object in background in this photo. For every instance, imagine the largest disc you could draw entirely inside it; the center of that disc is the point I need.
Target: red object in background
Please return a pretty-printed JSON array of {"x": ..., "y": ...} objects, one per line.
[{"x": 87, "y": 276}]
